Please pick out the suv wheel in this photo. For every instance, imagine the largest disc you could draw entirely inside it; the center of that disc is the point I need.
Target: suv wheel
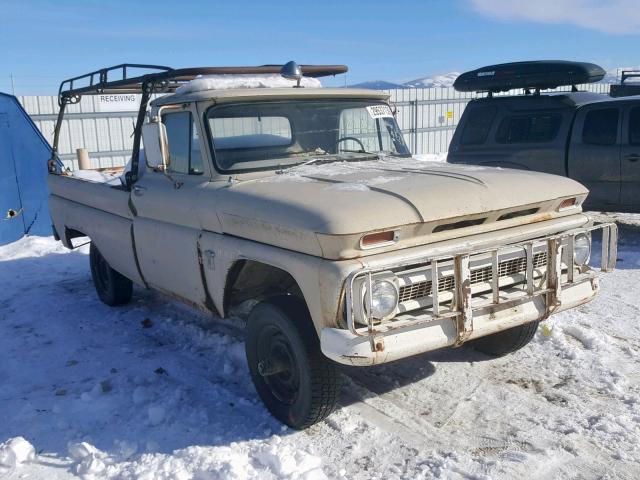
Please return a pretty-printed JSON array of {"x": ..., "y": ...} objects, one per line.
[
  {"x": 507, "y": 341},
  {"x": 112, "y": 287},
  {"x": 296, "y": 382}
]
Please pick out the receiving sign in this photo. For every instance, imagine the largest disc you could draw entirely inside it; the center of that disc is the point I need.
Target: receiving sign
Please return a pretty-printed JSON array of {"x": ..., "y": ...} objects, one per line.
[
  {"x": 379, "y": 111},
  {"x": 118, "y": 102}
]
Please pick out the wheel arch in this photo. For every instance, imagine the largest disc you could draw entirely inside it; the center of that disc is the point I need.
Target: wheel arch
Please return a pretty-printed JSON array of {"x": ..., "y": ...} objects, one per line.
[
  {"x": 254, "y": 279},
  {"x": 228, "y": 260}
]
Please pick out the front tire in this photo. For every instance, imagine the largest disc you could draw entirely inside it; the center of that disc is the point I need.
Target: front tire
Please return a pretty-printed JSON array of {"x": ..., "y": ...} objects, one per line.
[
  {"x": 507, "y": 341},
  {"x": 296, "y": 382},
  {"x": 112, "y": 287}
]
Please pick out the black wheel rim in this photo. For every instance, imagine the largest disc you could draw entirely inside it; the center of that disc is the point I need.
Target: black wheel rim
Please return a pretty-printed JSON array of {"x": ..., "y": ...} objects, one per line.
[
  {"x": 102, "y": 272},
  {"x": 275, "y": 348}
]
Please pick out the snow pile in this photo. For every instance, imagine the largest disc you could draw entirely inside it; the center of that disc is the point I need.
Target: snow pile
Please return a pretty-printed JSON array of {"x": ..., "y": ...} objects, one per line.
[
  {"x": 224, "y": 82},
  {"x": 14, "y": 453},
  {"x": 98, "y": 177},
  {"x": 432, "y": 157},
  {"x": 252, "y": 460}
]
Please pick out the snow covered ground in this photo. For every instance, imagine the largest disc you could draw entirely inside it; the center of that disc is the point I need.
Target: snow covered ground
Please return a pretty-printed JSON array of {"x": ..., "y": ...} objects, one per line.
[{"x": 154, "y": 390}]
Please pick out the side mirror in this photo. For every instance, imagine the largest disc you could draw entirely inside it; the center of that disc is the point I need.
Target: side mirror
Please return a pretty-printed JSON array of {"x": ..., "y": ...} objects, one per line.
[{"x": 154, "y": 137}]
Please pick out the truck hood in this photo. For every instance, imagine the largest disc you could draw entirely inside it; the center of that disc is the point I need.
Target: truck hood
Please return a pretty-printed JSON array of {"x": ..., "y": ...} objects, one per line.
[{"x": 325, "y": 209}]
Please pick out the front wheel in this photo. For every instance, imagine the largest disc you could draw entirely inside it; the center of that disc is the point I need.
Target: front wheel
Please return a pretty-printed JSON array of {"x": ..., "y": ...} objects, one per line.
[
  {"x": 296, "y": 382},
  {"x": 507, "y": 341},
  {"x": 112, "y": 287}
]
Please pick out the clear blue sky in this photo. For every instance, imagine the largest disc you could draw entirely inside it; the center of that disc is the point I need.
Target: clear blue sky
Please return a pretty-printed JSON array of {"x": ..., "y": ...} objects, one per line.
[{"x": 42, "y": 42}]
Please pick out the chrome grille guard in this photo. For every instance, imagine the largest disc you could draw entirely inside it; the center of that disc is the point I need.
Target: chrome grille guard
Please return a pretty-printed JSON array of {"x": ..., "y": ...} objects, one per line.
[{"x": 461, "y": 308}]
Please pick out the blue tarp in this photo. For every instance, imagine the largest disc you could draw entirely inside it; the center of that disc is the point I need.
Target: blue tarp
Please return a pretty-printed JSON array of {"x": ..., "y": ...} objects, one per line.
[{"x": 23, "y": 172}]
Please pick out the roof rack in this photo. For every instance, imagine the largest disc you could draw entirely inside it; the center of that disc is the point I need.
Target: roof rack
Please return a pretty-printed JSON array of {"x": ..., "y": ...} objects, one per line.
[
  {"x": 158, "y": 79},
  {"x": 629, "y": 74},
  {"x": 163, "y": 79},
  {"x": 626, "y": 89}
]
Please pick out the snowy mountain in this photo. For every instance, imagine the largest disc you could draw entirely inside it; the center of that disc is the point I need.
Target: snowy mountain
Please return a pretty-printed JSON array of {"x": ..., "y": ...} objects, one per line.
[
  {"x": 441, "y": 80},
  {"x": 430, "y": 81},
  {"x": 378, "y": 85},
  {"x": 447, "y": 79}
]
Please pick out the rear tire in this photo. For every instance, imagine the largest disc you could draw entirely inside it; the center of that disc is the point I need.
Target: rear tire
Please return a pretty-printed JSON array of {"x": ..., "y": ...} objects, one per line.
[
  {"x": 507, "y": 341},
  {"x": 112, "y": 287},
  {"x": 296, "y": 382}
]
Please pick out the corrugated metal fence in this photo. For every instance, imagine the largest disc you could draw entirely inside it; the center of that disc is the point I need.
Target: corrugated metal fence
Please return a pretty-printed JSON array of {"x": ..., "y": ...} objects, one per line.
[
  {"x": 107, "y": 135},
  {"x": 427, "y": 117}
]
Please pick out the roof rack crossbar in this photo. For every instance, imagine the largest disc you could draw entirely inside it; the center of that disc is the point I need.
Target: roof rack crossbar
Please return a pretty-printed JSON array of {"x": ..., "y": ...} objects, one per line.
[
  {"x": 98, "y": 81},
  {"x": 166, "y": 79},
  {"x": 629, "y": 74}
]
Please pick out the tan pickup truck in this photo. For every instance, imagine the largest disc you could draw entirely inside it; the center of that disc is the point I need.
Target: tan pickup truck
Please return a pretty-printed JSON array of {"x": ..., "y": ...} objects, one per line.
[{"x": 307, "y": 203}]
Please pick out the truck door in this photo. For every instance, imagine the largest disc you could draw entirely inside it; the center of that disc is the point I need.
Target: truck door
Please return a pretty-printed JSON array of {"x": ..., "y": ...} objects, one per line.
[
  {"x": 167, "y": 225},
  {"x": 11, "y": 219},
  {"x": 594, "y": 154},
  {"x": 630, "y": 184}
]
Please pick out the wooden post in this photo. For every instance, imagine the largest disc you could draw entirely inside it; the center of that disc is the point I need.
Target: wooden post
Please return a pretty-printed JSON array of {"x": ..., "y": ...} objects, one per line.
[{"x": 84, "y": 162}]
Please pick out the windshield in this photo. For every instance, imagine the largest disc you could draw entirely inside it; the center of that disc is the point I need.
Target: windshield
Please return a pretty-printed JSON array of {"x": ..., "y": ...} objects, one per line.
[{"x": 271, "y": 135}]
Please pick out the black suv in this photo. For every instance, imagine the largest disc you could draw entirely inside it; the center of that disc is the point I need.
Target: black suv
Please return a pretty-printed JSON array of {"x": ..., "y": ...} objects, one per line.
[{"x": 590, "y": 137}]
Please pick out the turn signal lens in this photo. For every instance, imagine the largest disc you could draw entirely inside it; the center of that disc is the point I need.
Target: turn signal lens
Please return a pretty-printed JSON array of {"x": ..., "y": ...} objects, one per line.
[
  {"x": 377, "y": 239},
  {"x": 568, "y": 203}
]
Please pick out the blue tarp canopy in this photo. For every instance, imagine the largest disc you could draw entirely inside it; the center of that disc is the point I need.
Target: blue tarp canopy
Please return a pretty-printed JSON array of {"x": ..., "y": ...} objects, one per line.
[{"x": 23, "y": 172}]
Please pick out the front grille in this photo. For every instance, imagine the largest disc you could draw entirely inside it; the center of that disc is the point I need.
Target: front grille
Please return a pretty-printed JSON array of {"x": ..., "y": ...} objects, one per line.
[{"x": 506, "y": 268}]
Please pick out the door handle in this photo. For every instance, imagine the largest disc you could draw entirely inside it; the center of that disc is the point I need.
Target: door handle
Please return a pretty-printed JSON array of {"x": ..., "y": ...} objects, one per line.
[
  {"x": 138, "y": 191},
  {"x": 633, "y": 157}
]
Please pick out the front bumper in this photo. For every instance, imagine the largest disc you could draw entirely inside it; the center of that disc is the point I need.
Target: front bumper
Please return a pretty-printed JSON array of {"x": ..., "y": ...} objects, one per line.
[{"x": 473, "y": 315}]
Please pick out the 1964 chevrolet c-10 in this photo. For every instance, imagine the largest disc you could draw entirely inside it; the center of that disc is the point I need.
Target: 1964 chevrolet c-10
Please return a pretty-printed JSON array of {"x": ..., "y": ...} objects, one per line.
[{"x": 307, "y": 202}]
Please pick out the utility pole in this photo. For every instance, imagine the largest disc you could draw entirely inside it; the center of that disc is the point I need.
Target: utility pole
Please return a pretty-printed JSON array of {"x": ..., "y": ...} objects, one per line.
[{"x": 13, "y": 86}]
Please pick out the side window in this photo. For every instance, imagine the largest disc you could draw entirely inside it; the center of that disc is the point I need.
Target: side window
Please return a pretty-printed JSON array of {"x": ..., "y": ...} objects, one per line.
[
  {"x": 601, "y": 126},
  {"x": 478, "y": 124},
  {"x": 634, "y": 126},
  {"x": 532, "y": 128},
  {"x": 184, "y": 146}
]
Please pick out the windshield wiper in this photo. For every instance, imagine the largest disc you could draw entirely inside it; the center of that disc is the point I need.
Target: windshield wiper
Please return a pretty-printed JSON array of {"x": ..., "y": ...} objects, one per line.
[
  {"x": 335, "y": 158},
  {"x": 309, "y": 162}
]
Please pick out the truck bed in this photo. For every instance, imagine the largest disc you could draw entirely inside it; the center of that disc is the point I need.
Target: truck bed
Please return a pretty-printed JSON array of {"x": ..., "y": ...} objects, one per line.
[{"x": 100, "y": 211}]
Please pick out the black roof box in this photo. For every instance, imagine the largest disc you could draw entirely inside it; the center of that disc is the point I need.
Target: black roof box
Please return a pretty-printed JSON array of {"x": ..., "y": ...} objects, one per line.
[{"x": 539, "y": 74}]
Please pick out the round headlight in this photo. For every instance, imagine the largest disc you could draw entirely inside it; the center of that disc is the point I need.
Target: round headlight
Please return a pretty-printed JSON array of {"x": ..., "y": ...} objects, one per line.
[
  {"x": 384, "y": 299},
  {"x": 581, "y": 249}
]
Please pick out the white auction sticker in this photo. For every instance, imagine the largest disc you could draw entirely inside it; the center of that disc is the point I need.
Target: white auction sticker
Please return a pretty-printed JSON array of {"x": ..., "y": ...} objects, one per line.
[{"x": 379, "y": 111}]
